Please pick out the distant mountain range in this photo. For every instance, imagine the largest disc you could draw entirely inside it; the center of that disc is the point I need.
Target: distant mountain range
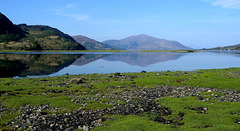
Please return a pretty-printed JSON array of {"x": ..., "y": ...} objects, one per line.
[
  {"x": 91, "y": 44},
  {"x": 40, "y": 37},
  {"x": 34, "y": 37},
  {"x": 145, "y": 42},
  {"x": 232, "y": 47}
]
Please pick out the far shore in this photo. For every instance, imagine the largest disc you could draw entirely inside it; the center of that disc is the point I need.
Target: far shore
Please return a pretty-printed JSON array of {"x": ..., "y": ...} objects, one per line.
[{"x": 114, "y": 51}]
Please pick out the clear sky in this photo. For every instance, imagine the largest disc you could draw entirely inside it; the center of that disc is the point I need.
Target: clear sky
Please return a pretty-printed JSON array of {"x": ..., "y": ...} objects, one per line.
[{"x": 194, "y": 23}]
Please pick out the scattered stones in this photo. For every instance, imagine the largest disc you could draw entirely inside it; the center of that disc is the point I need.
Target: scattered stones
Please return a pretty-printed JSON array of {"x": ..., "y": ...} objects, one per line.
[
  {"x": 129, "y": 102},
  {"x": 199, "y": 109},
  {"x": 116, "y": 75},
  {"x": 121, "y": 77}
]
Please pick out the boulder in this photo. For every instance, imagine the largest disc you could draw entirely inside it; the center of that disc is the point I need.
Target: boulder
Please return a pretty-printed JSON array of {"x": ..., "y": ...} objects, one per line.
[{"x": 77, "y": 80}]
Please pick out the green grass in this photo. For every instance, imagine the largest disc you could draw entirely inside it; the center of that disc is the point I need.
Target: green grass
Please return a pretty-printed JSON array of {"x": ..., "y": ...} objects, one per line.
[
  {"x": 131, "y": 123},
  {"x": 217, "y": 117},
  {"x": 35, "y": 92}
]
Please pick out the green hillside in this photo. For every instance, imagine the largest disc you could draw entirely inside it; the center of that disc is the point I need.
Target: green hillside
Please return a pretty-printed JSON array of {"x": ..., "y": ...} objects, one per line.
[
  {"x": 9, "y": 31},
  {"x": 34, "y": 37}
]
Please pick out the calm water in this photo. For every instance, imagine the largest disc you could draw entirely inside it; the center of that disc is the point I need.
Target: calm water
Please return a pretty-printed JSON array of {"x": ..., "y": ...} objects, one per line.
[{"x": 37, "y": 64}]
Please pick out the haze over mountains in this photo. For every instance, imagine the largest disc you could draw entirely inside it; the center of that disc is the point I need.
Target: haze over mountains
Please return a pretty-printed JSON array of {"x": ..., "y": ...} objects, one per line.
[{"x": 145, "y": 42}]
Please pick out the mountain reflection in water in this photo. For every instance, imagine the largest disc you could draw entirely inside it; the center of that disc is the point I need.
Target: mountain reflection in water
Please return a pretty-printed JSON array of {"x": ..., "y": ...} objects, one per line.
[
  {"x": 33, "y": 64},
  {"x": 23, "y": 65},
  {"x": 37, "y": 64},
  {"x": 144, "y": 59}
]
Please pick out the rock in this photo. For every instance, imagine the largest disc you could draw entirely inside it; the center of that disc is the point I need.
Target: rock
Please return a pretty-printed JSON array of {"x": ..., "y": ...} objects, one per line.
[
  {"x": 209, "y": 91},
  {"x": 117, "y": 75},
  {"x": 200, "y": 98},
  {"x": 69, "y": 129},
  {"x": 85, "y": 128},
  {"x": 99, "y": 120},
  {"x": 77, "y": 80}
]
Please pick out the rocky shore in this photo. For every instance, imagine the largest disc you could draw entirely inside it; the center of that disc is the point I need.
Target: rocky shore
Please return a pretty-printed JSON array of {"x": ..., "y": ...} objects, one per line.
[
  {"x": 133, "y": 102},
  {"x": 92, "y": 101}
]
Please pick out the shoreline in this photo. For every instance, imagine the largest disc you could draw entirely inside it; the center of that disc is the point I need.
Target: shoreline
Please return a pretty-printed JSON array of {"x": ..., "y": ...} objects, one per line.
[{"x": 117, "y": 51}]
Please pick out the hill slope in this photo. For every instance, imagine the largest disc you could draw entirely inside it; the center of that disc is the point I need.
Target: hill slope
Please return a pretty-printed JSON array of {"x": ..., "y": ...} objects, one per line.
[
  {"x": 232, "y": 47},
  {"x": 91, "y": 44},
  {"x": 34, "y": 37},
  {"x": 145, "y": 42},
  {"x": 9, "y": 31}
]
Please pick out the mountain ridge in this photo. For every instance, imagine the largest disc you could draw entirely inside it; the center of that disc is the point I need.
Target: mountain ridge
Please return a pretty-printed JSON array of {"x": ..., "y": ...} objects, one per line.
[
  {"x": 91, "y": 44},
  {"x": 9, "y": 31},
  {"x": 146, "y": 42}
]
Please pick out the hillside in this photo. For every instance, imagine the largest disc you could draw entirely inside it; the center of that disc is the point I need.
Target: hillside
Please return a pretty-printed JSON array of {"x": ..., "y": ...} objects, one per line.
[
  {"x": 9, "y": 31},
  {"x": 232, "y": 47},
  {"x": 145, "y": 42},
  {"x": 34, "y": 37},
  {"x": 91, "y": 44}
]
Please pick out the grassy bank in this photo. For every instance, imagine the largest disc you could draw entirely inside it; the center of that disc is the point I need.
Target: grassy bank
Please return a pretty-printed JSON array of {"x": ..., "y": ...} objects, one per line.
[{"x": 191, "y": 106}]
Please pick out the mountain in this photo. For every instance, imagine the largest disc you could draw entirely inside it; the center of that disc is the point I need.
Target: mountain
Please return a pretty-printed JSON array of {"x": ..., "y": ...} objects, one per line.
[
  {"x": 91, "y": 44},
  {"x": 145, "y": 42},
  {"x": 34, "y": 37},
  {"x": 232, "y": 47}
]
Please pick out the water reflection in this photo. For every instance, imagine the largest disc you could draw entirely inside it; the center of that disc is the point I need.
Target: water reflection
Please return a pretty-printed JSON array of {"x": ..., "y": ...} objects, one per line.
[
  {"x": 33, "y": 64},
  {"x": 88, "y": 58},
  {"x": 37, "y": 64},
  {"x": 226, "y": 52},
  {"x": 144, "y": 59}
]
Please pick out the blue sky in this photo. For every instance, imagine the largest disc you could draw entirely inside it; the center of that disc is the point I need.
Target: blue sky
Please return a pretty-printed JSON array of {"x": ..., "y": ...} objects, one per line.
[{"x": 194, "y": 23}]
